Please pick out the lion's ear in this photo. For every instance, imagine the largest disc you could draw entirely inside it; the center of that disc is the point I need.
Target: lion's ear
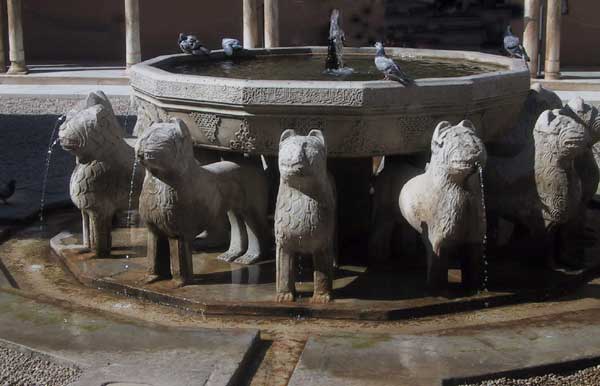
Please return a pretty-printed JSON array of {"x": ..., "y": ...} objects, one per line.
[
  {"x": 287, "y": 134},
  {"x": 318, "y": 134},
  {"x": 470, "y": 125},
  {"x": 438, "y": 133},
  {"x": 181, "y": 127}
]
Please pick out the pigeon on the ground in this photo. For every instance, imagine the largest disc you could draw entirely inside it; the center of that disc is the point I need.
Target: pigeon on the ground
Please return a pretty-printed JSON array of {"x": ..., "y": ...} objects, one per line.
[
  {"x": 389, "y": 68},
  {"x": 513, "y": 45},
  {"x": 7, "y": 190},
  {"x": 231, "y": 46},
  {"x": 191, "y": 45}
]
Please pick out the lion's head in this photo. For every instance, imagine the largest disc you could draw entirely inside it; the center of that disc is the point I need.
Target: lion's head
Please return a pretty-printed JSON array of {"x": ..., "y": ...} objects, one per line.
[
  {"x": 90, "y": 133},
  {"x": 165, "y": 148},
  {"x": 301, "y": 156},
  {"x": 559, "y": 135},
  {"x": 585, "y": 114},
  {"x": 458, "y": 150}
]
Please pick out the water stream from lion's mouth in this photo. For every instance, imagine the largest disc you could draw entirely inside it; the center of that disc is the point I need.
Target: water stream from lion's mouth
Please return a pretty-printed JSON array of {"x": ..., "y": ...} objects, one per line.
[
  {"x": 51, "y": 143},
  {"x": 484, "y": 260},
  {"x": 134, "y": 168}
]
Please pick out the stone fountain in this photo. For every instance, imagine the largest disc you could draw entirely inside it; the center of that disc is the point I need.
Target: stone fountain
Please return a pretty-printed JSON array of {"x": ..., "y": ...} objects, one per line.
[{"x": 468, "y": 131}]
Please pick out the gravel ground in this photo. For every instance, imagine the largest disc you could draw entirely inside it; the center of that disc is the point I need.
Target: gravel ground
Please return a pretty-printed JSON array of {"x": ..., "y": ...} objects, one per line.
[
  {"x": 26, "y": 369},
  {"x": 585, "y": 377}
]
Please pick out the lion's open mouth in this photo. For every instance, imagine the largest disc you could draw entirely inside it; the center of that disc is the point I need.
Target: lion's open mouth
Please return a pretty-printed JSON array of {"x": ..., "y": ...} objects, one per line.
[{"x": 69, "y": 144}]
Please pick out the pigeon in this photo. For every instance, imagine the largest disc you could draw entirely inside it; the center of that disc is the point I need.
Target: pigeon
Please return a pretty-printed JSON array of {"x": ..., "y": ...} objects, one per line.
[
  {"x": 191, "y": 45},
  {"x": 389, "y": 68},
  {"x": 6, "y": 191},
  {"x": 513, "y": 45},
  {"x": 231, "y": 46}
]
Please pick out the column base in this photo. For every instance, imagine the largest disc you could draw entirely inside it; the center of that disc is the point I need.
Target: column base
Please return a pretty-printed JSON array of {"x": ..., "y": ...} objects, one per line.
[
  {"x": 17, "y": 68},
  {"x": 552, "y": 75}
]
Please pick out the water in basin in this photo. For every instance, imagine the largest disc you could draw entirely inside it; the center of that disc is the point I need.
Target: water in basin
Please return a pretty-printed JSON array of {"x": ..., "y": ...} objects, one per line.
[{"x": 311, "y": 67}]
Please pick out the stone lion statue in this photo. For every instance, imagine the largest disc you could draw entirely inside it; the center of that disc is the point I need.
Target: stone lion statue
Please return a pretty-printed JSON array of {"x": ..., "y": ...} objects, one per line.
[
  {"x": 444, "y": 204},
  {"x": 101, "y": 182},
  {"x": 541, "y": 189},
  {"x": 181, "y": 199},
  {"x": 305, "y": 214}
]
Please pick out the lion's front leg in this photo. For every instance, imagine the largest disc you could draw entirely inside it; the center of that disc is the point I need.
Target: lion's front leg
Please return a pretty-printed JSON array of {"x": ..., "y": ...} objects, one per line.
[
  {"x": 181, "y": 261},
  {"x": 323, "y": 276},
  {"x": 157, "y": 257},
  {"x": 85, "y": 230},
  {"x": 100, "y": 227},
  {"x": 286, "y": 278},
  {"x": 437, "y": 268}
]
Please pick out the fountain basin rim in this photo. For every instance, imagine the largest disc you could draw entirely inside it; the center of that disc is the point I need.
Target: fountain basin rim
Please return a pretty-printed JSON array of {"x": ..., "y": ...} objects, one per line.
[
  {"x": 148, "y": 78},
  {"x": 358, "y": 118}
]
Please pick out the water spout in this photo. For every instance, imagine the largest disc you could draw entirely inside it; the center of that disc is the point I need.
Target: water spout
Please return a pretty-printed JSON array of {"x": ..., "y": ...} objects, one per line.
[
  {"x": 51, "y": 145},
  {"x": 484, "y": 219},
  {"x": 336, "y": 39}
]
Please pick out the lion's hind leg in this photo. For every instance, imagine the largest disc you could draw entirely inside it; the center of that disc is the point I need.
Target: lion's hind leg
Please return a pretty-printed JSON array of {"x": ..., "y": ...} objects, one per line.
[
  {"x": 256, "y": 231},
  {"x": 239, "y": 238}
]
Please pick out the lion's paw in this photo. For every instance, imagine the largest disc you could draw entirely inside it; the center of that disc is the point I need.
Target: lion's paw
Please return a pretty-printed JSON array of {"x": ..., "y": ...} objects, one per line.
[
  {"x": 228, "y": 257},
  {"x": 248, "y": 258},
  {"x": 323, "y": 298},
  {"x": 285, "y": 297},
  {"x": 151, "y": 278}
]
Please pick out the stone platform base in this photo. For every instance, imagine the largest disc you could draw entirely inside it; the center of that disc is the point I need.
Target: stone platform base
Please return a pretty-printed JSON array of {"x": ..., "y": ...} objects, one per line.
[{"x": 392, "y": 291}]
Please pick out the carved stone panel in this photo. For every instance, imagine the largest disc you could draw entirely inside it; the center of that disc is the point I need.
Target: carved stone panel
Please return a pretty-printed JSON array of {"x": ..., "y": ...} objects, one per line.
[
  {"x": 243, "y": 140},
  {"x": 208, "y": 123}
]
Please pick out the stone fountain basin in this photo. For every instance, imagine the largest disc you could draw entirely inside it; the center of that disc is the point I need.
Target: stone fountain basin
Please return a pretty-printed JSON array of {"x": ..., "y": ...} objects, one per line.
[{"x": 358, "y": 118}]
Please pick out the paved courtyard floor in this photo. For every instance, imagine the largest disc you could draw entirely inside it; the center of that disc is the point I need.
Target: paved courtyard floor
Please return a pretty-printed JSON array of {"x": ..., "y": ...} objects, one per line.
[{"x": 47, "y": 315}]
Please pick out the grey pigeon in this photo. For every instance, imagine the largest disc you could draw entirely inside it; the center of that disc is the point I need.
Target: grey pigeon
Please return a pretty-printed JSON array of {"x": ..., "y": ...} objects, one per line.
[
  {"x": 231, "y": 46},
  {"x": 7, "y": 190},
  {"x": 513, "y": 45},
  {"x": 191, "y": 45},
  {"x": 389, "y": 68}
]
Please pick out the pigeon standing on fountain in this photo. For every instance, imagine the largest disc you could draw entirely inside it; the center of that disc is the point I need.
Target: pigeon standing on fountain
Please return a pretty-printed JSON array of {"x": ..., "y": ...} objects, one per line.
[
  {"x": 231, "y": 46},
  {"x": 7, "y": 190},
  {"x": 191, "y": 45},
  {"x": 513, "y": 45},
  {"x": 389, "y": 68}
]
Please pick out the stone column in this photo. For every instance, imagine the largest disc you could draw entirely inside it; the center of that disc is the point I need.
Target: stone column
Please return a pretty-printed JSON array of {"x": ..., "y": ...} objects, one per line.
[
  {"x": 531, "y": 34},
  {"x": 271, "y": 23},
  {"x": 132, "y": 32},
  {"x": 250, "y": 24},
  {"x": 553, "y": 20},
  {"x": 2, "y": 52},
  {"x": 15, "y": 37}
]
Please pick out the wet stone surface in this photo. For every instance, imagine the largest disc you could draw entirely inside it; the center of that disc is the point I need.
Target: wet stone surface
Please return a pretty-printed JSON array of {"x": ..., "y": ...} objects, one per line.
[
  {"x": 429, "y": 359},
  {"x": 114, "y": 350},
  {"x": 394, "y": 290}
]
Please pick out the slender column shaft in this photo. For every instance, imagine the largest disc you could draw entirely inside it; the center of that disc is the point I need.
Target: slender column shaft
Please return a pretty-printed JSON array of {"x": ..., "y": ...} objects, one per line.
[
  {"x": 132, "y": 32},
  {"x": 271, "y": 23},
  {"x": 2, "y": 52},
  {"x": 15, "y": 37},
  {"x": 250, "y": 24},
  {"x": 531, "y": 34},
  {"x": 553, "y": 21}
]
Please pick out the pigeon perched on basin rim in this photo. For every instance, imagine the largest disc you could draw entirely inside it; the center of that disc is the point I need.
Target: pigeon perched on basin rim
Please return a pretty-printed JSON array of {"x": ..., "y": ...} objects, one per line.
[
  {"x": 389, "y": 68},
  {"x": 513, "y": 45},
  {"x": 191, "y": 45},
  {"x": 231, "y": 46}
]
